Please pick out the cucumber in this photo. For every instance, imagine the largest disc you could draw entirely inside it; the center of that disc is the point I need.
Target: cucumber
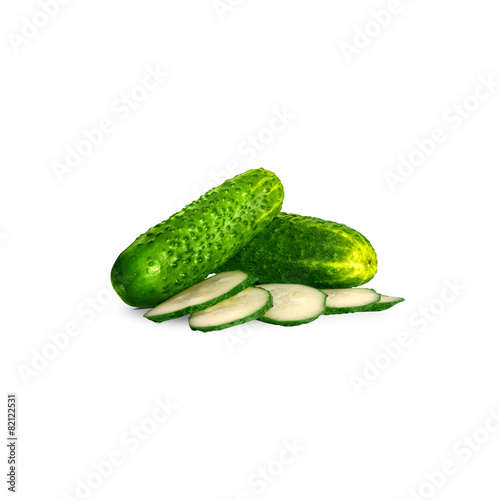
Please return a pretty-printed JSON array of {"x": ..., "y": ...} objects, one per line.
[
  {"x": 245, "y": 306},
  {"x": 202, "y": 295},
  {"x": 385, "y": 302},
  {"x": 342, "y": 301},
  {"x": 194, "y": 242},
  {"x": 307, "y": 251},
  {"x": 293, "y": 304}
]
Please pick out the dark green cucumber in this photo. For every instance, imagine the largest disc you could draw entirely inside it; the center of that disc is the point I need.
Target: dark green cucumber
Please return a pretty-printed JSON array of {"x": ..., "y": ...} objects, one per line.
[
  {"x": 307, "y": 251},
  {"x": 294, "y": 304},
  {"x": 245, "y": 306},
  {"x": 350, "y": 300},
  {"x": 196, "y": 241},
  {"x": 385, "y": 303},
  {"x": 204, "y": 294}
]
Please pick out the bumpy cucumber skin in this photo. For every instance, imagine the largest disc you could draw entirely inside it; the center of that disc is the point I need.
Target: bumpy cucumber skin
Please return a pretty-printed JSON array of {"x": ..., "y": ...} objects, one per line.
[
  {"x": 249, "y": 281},
  {"x": 348, "y": 310},
  {"x": 383, "y": 306},
  {"x": 296, "y": 322},
  {"x": 246, "y": 319},
  {"x": 307, "y": 251},
  {"x": 187, "y": 247}
]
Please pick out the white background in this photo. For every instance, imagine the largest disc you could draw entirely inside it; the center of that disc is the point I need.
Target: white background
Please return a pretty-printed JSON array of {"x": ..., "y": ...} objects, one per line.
[{"x": 240, "y": 397}]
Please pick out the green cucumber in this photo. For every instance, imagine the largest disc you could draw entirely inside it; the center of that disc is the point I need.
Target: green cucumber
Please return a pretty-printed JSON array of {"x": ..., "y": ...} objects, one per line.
[
  {"x": 245, "y": 306},
  {"x": 293, "y": 304},
  {"x": 307, "y": 251},
  {"x": 385, "y": 302},
  {"x": 193, "y": 243},
  {"x": 351, "y": 300},
  {"x": 200, "y": 296}
]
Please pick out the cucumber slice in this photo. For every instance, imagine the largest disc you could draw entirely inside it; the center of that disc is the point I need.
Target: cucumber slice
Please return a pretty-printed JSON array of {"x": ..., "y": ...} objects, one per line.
[
  {"x": 350, "y": 300},
  {"x": 294, "y": 304},
  {"x": 245, "y": 306},
  {"x": 207, "y": 293},
  {"x": 385, "y": 302}
]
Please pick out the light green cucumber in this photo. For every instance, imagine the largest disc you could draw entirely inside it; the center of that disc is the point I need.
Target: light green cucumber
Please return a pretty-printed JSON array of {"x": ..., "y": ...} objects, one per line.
[
  {"x": 350, "y": 300},
  {"x": 245, "y": 306},
  {"x": 307, "y": 251},
  {"x": 293, "y": 305},
  {"x": 207, "y": 293},
  {"x": 196, "y": 241}
]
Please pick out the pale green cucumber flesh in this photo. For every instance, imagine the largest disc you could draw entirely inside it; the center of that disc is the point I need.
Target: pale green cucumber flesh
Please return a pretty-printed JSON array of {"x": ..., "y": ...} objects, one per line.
[
  {"x": 386, "y": 302},
  {"x": 293, "y": 304},
  {"x": 350, "y": 300},
  {"x": 204, "y": 294},
  {"x": 245, "y": 306}
]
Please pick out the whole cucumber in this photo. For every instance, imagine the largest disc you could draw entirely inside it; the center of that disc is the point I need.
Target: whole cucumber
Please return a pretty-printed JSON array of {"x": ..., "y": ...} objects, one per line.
[
  {"x": 193, "y": 243},
  {"x": 307, "y": 251}
]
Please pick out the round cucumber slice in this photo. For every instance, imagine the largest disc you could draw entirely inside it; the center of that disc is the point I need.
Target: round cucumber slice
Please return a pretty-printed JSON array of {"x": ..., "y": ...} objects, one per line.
[
  {"x": 245, "y": 306},
  {"x": 202, "y": 295},
  {"x": 294, "y": 304},
  {"x": 350, "y": 300},
  {"x": 386, "y": 302}
]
